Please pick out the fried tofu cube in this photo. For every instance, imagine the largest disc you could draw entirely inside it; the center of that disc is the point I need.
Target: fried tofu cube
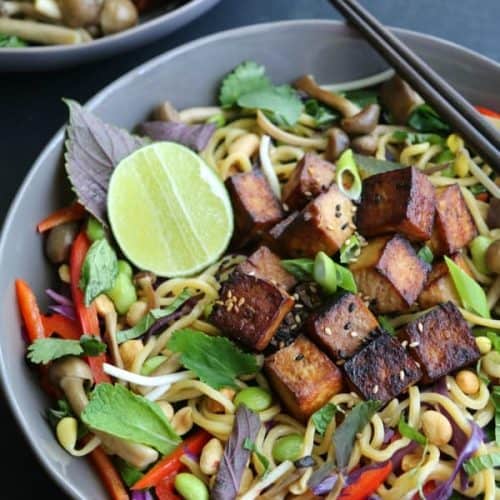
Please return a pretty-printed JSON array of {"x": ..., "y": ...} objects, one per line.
[
  {"x": 454, "y": 227},
  {"x": 256, "y": 208},
  {"x": 303, "y": 376},
  {"x": 323, "y": 225},
  {"x": 266, "y": 265},
  {"x": 271, "y": 238},
  {"x": 439, "y": 287},
  {"x": 390, "y": 273},
  {"x": 250, "y": 309},
  {"x": 382, "y": 369},
  {"x": 311, "y": 176},
  {"x": 401, "y": 201},
  {"x": 440, "y": 341},
  {"x": 341, "y": 326}
]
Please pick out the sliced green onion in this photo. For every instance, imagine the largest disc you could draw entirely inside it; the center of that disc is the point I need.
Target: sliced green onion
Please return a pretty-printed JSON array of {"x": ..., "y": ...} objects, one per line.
[
  {"x": 495, "y": 399},
  {"x": 471, "y": 294},
  {"x": 152, "y": 364},
  {"x": 345, "y": 279},
  {"x": 425, "y": 254},
  {"x": 350, "y": 249},
  {"x": 267, "y": 166},
  {"x": 477, "y": 464},
  {"x": 346, "y": 164},
  {"x": 325, "y": 272},
  {"x": 386, "y": 324},
  {"x": 218, "y": 120},
  {"x": 410, "y": 432},
  {"x": 478, "y": 248},
  {"x": 302, "y": 269}
]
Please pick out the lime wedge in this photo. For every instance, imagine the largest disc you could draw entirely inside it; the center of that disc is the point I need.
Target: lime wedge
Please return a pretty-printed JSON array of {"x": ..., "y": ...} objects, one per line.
[{"x": 168, "y": 210}]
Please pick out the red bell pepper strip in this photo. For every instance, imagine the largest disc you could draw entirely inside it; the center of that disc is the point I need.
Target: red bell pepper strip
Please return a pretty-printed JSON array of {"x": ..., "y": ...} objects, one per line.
[
  {"x": 30, "y": 312},
  {"x": 171, "y": 464},
  {"x": 368, "y": 483},
  {"x": 87, "y": 316},
  {"x": 61, "y": 325},
  {"x": 70, "y": 213},
  {"x": 487, "y": 112},
  {"x": 165, "y": 489},
  {"x": 429, "y": 487},
  {"x": 483, "y": 197},
  {"x": 108, "y": 474}
]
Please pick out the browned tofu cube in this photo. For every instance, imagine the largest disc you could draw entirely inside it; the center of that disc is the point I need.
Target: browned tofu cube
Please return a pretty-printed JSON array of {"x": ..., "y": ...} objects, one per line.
[
  {"x": 389, "y": 272},
  {"x": 311, "y": 176},
  {"x": 256, "y": 209},
  {"x": 454, "y": 227},
  {"x": 250, "y": 309},
  {"x": 271, "y": 238},
  {"x": 439, "y": 287},
  {"x": 323, "y": 225},
  {"x": 382, "y": 369},
  {"x": 493, "y": 218},
  {"x": 440, "y": 341},
  {"x": 400, "y": 201},
  {"x": 266, "y": 265},
  {"x": 303, "y": 377},
  {"x": 341, "y": 326}
]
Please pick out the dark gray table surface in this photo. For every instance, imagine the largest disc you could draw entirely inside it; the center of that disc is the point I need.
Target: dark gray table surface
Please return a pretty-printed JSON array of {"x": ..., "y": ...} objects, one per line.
[{"x": 31, "y": 112}]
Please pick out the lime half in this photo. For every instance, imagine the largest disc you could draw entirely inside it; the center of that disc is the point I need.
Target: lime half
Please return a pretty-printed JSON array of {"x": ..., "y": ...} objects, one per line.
[{"x": 168, "y": 210}]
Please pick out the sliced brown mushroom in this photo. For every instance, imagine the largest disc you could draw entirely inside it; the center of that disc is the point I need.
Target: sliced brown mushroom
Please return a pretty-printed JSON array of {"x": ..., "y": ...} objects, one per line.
[
  {"x": 145, "y": 281},
  {"x": 80, "y": 13},
  {"x": 308, "y": 85},
  {"x": 399, "y": 99},
  {"x": 166, "y": 112},
  {"x": 117, "y": 15},
  {"x": 362, "y": 123},
  {"x": 365, "y": 144},
  {"x": 338, "y": 142},
  {"x": 493, "y": 219},
  {"x": 72, "y": 375}
]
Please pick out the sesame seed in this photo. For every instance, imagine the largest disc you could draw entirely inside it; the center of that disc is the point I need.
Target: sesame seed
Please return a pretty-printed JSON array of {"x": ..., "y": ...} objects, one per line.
[
  {"x": 298, "y": 319},
  {"x": 285, "y": 207},
  {"x": 352, "y": 225},
  {"x": 417, "y": 363},
  {"x": 299, "y": 357},
  {"x": 219, "y": 302},
  {"x": 354, "y": 208},
  {"x": 404, "y": 343},
  {"x": 229, "y": 306},
  {"x": 294, "y": 327},
  {"x": 328, "y": 330},
  {"x": 236, "y": 309},
  {"x": 299, "y": 306},
  {"x": 375, "y": 389},
  {"x": 354, "y": 334},
  {"x": 420, "y": 327},
  {"x": 338, "y": 215},
  {"x": 330, "y": 227},
  {"x": 241, "y": 301},
  {"x": 307, "y": 216},
  {"x": 229, "y": 294},
  {"x": 296, "y": 296},
  {"x": 340, "y": 362},
  {"x": 337, "y": 207},
  {"x": 414, "y": 344},
  {"x": 347, "y": 326},
  {"x": 308, "y": 193},
  {"x": 344, "y": 226},
  {"x": 353, "y": 395},
  {"x": 402, "y": 375},
  {"x": 351, "y": 307}
]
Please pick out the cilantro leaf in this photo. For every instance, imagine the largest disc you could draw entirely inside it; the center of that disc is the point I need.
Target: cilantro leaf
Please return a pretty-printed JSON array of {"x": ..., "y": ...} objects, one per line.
[
  {"x": 99, "y": 270},
  {"x": 247, "y": 77},
  {"x": 149, "y": 320},
  {"x": 9, "y": 41},
  {"x": 322, "y": 115},
  {"x": 354, "y": 422},
  {"x": 282, "y": 101},
  {"x": 128, "y": 473},
  {"x": 61, "y": 411},
  {"x": 362, "y": 97},
  {"x": 477, "y": 464},
  {"x": 322, "y": 417},
  {"x": 93, "y": 150},
  {"x": 425, "y": 119},
  {"x": 425, "y": 254},
  {"x": 415, "y": 138},
  {"x": 215, "y": 360},
  {"x": 117, "y": 411},
  {"x": 249, "y": 445},
  {"x": 410, "y": 432},
  {"x": 43, "y": 351}
]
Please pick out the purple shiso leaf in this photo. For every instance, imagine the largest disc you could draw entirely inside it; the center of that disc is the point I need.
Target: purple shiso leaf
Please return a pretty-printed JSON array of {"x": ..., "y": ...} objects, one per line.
[
  {"x": 235, "y": 458},
  {"x": 323, "y": 480},
  {"x": 141, "y": 495},
  {"x": 59, "y": 298},
  {"x": 397, "y": 457},
  {"x": 444, "y": 490},
  {"x": 68, "y": 311},
  {"x": 195, "y": 137}
]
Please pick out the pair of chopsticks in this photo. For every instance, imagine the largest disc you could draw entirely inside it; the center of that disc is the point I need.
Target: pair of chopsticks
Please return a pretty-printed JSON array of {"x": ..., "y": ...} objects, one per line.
[{"x": 462, "y": 117}]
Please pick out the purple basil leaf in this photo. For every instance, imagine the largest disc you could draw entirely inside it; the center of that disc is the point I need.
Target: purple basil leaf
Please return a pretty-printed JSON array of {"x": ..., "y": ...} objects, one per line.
[
  {"x": 444, "y": 490},
  {"x": 59, "y": 298},
  {"x": 68, "y": 311},
  {"x": 141, "y": 495},
  {"x": 323, "y": 480},
  {"x": 234, "y": 460},
  {"x": 195, "y": 137},
  {"x": 397, "y": 457},
  {"x": 93, "y": 150}
]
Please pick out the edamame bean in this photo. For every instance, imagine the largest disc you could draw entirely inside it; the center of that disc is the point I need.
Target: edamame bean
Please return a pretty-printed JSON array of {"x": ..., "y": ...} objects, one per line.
[
  {"x": 324, "y": 272},
  {"x": 256, "y": 398},
  {"x": 125, "y": 268},
  {"x": 288, "y": 448},
  {"x": 123, "y": 292},
  {"x": 95, "y": 231},
  {"x": 190, "y": 487},
  {"x": 478, "y": 248}
]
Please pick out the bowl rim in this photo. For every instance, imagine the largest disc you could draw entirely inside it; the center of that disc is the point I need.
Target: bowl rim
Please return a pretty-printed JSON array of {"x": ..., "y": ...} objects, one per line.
[
  {"x": 116, "y": 86},
  {"x": 115, "y": 38}
]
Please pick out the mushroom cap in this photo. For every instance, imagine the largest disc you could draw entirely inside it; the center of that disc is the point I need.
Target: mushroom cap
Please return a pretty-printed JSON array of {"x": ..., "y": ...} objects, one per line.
[
  {"x": 363, "y": 122},
  {"x": 69, "y": 367}
]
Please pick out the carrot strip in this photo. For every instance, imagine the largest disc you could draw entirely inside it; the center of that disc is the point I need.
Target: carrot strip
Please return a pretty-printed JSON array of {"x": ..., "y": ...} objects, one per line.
[
  {"x": 29, "y": 310},
  {"x": 108, "y": 474},
  {"x": 86, "y": 315},
  {"x": 66, "y": 328},
  {"x": 73, "y": 212},
  {"x": 171, "y": 464}
]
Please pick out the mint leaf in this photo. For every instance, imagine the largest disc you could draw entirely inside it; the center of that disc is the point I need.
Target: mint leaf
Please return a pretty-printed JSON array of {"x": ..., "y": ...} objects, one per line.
[
  {"x": 470, "y": 292},
  {"x": 425, "y": 254},
  {"x": 353, "y": 423},
  {"x": 149, "y": 320},
  {"x": 10, "y": 42},
  {"x": 99, "y": 270},
  {"x": 322, "y": 417},
  {"x": 128, "y": 473},
  {"x": 123, "y": 414},
  {"x": 362, "y": 97},
  {"x": 215, "y": 360},
  {"x": 245, "y": 78},
  {"x": 410, "y": 432},
  {"x": 93, "y": 149},
  {"x": 413, "y": 138},
  {"x": 282, "y": 101},
  {"x": 249, "y": 445},
  {"x": 477, "y": 464},
  {"x": 43, "y": 351}
]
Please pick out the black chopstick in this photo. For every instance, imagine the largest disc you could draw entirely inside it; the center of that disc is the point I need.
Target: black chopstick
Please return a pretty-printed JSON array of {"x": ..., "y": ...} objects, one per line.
[{"x": 476, "y": 131}]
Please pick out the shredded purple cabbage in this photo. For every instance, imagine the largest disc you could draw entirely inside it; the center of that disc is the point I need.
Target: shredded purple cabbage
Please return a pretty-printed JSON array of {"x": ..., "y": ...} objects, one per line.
[
  {"x": 195, "y": 137},
  {"x": 141, "y": 495},
  {"x": 323, "y": 480},
  {"x": 397, "y": 457},
  {"x": 67, "y": 311},
  {"x": 59, "y": 298},
  {"x": 388, "y": 434},
  {"x": 464, "y": 452},
  {"x": 63, "y": 305}
]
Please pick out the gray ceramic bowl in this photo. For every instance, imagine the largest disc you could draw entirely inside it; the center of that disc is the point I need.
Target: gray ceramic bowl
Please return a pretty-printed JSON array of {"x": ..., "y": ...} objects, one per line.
[
  {"x": 152, "y": 26},
  {"x": 187, "y": 76}
]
